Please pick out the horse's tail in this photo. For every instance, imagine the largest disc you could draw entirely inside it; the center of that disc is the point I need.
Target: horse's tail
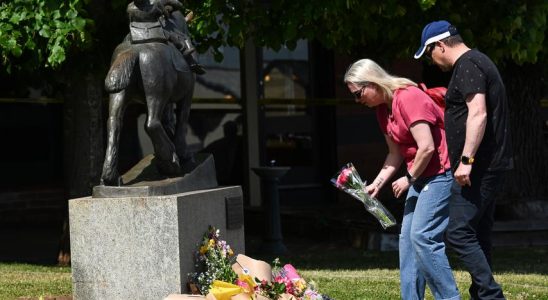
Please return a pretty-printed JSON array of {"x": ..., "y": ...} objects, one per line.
[{"x": 119, "y": 75}]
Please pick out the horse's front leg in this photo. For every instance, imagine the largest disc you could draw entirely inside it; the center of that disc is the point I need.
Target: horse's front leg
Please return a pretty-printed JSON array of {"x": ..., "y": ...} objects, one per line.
[
  {"x": 117, "y": 105},
  {"x": 164, "y": 150}
]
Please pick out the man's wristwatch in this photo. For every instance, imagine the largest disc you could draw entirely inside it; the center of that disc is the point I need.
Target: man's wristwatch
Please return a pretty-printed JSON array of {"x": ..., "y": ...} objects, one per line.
[
  {"x": 467, "y": 160},
  {"x": 410, "y": 178}
]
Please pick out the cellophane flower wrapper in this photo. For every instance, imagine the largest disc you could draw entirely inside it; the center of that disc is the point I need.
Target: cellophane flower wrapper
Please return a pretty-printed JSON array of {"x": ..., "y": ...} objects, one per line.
[{"x": 349, "y": 181}]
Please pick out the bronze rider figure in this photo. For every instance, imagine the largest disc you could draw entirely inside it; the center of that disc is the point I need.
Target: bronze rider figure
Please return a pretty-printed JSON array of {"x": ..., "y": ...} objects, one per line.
[{"x": 150, "y": 22}]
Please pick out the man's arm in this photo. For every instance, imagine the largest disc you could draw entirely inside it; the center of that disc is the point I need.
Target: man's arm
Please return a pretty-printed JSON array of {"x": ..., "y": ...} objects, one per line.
[{"x": 475, "y": 129}]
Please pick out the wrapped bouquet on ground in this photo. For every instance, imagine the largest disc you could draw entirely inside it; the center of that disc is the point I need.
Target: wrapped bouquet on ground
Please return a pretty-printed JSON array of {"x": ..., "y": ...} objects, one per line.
[
  {"x": 222, "y": 276},
  {"x": 276, "y": 282}
]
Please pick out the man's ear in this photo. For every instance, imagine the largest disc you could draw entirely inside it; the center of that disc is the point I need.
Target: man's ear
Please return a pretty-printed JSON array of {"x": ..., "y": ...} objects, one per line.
[{"x": 441, "y": 45}]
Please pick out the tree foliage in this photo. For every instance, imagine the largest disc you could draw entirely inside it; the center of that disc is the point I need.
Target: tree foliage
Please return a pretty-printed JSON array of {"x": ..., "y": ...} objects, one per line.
[
  {"x": 506, "y": 30},
  {"x": 42, "y": 31},
  {"x": 46, "y": 30}
]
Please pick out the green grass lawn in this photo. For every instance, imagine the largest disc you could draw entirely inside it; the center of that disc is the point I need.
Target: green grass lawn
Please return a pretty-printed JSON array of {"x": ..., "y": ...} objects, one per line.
[
  {"x": 18, "y": 280},
  {"x": 341, "y": 272},
  {"x": 357, "y": 274}
]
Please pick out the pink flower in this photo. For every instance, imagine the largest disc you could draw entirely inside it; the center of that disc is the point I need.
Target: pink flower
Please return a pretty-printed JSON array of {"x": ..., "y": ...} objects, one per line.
[
  {"x": 281, "y": 279},
  {"x": 289, "y": 288},
  {"x": 343, "y": 177},
  {"x": 291, "y": 273},
  {"x": 350, "y": 182},
  {"x": 242, "y": 284},
  {"x": 311, "y": 294}
]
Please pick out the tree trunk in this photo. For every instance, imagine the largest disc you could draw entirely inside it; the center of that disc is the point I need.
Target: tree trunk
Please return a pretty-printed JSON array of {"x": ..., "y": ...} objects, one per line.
[
  {"x": 83, "y": 139},
  {"x": 525, "y": 187},
  {"x": 83, "y": 110}
]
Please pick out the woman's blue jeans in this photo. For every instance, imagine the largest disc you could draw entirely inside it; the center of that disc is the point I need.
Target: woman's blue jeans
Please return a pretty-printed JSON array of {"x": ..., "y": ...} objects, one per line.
[{"x": 422, "y": 248}]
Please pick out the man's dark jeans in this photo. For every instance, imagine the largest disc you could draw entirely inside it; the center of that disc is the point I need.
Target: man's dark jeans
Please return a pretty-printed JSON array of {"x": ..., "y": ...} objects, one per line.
[{"x": 471, "y": 213}]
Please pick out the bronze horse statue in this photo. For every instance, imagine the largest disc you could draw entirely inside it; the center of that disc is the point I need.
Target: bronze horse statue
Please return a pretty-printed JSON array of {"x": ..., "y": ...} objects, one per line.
[{"x": 157, "y": 75}]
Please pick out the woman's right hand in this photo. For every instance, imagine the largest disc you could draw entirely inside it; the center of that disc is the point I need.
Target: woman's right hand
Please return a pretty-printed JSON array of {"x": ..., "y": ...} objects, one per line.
[{"x": 372, "y": 190}]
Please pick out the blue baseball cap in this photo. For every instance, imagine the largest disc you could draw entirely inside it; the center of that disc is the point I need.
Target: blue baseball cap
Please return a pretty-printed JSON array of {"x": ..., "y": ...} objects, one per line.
[{"x": 434, "y": 32}]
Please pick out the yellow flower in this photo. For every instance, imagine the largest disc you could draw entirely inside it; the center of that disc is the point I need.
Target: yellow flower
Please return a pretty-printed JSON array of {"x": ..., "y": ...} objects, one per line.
[
  {"x": 300, "y": 284},
  {"x": 247, "y": 283},
  {"x": 203, "y": 249},
  {"x": 230, "y": 252},
  {"x": 211, "y": 243}
]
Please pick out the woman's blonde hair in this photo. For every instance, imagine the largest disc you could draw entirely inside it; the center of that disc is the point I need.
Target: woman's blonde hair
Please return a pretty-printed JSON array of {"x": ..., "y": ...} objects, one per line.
[{"x": 365, "y": 70}]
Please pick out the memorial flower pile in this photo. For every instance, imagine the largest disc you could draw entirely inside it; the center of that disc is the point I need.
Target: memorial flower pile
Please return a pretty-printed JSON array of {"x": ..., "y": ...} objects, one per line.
[
  {"x": 212, "y": 261},
  {"x": 349, "y": 181},
  {"x": 221, "y": 276}
]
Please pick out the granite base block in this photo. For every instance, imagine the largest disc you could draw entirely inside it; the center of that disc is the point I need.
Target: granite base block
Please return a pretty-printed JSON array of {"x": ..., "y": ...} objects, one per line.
[{"x": 143, "y": 247}]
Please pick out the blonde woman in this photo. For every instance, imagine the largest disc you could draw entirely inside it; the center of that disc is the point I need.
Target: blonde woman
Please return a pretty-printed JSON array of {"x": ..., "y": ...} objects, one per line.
[{"x": 413, "y": 127}]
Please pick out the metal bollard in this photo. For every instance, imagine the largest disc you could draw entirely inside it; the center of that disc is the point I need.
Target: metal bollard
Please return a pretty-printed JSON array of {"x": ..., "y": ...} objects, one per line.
[{"x": 270, "y": 177}]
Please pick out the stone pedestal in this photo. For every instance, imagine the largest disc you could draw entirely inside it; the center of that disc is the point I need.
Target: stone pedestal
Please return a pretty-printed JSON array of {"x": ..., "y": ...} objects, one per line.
[{"x": 143, "y": 247}]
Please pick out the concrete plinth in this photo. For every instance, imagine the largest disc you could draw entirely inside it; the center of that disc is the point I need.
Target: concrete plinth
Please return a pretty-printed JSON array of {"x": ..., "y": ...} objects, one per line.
[{"x": 143, "y": 247}]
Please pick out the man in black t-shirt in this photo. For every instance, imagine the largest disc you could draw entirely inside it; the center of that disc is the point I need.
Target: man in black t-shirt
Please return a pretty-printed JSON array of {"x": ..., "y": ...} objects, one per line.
[{"x": 480, "y": 150}]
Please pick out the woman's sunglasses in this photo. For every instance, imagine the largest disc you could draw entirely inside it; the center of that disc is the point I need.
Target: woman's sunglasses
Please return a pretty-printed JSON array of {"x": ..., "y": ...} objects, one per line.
[{"x": 358, "y": 93}]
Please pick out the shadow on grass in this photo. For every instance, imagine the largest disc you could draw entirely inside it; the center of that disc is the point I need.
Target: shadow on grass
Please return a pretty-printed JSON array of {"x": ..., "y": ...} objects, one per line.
[
  {"x": 307, "y": 254},
  {"x": 530, "y": 260},
  {"x": 311, "y": 255}
]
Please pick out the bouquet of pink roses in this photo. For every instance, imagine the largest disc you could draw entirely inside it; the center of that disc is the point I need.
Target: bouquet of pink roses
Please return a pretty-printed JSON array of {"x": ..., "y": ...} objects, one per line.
[{"x": 349, "y": 181}]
